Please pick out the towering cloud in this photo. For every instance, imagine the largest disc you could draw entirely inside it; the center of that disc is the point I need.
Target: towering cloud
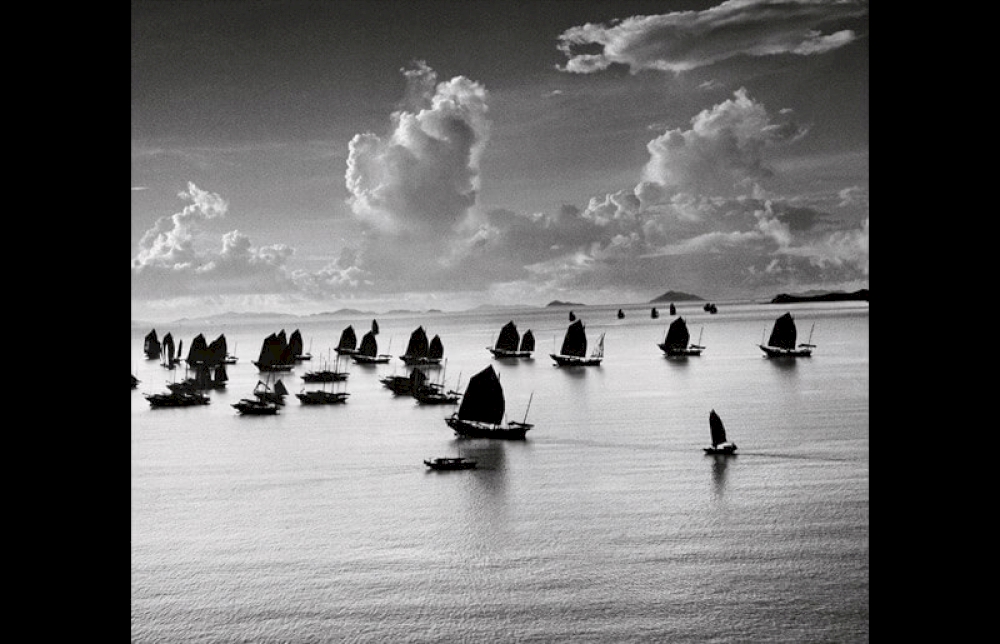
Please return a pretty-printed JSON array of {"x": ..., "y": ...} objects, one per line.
[
  {"x": 684, "y": 40},
  {"x": 422, "y": 178}
]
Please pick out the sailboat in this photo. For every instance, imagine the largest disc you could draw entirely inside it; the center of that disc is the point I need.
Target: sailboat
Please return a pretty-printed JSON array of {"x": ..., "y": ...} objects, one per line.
[
  {"x": 621, "y": 314},
  {"x": 675, "y": 343},
  {"x": 574, "y": 348},
  {"x": 433, "y": 393},
  {"x": 421, "y": 352},
  {"x": 265, "y": 402},
  {"x": 135, "y": 381},
  {"x": 510, "y": 343},
  {"x": 450, "y": 463},
  {"x": 177, "y": 399},
  {"x": 673, "y": 309},
  {"x": 404, "y": 385},
  {"x": 151, "y": 346},
  {"x": 367, "y": 352},
  {"x": 322, "y": 397},
  {"x": 719, "y": 443},
  {"x": 482, "y": 410},
  {"x": 653, "y": 313},
  {"x": 348, "y": 344},
  {"x": 275, "y": 354},
  {"x": 326, "y": 375},
  {"x": 781, "y": 343},
  {"x": 230, "y": 357}
]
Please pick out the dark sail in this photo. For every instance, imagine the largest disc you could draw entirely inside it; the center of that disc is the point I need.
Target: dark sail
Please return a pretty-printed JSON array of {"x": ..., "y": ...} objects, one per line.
[
  {"x": 295, "y": 344},
  {"x": 783, "y": 334},
  {"x": 271, "y": 351},
  {"x": 572, "y": 316},
  {"x": 287, "y": 353},
  {"x": 528, "y": 341},
  {"x": 198, "y": 353},
  {"x": 483, "y": 400},
  {"x": 279, "y": 388},
  {"x": 168, "y": 349},
  {"x": 417, "y": 348},
  {"x": 509, "y": 337},
  {"x": 677, "y": 334},
  {"x": 375, "y": 327},
  {"x": 673, "y": 309},
  {"x": 348, "y": 340},
  {"x": 369, "y": 347},
  {"x": 575, "y": 342},
  {"x": 151, "y": 345},
  {"x": 718, "y": 431},
  {"x": 435, "y": 350},
  {"x": 217, "y": 350},
  {"x": 220, "y": 374}
]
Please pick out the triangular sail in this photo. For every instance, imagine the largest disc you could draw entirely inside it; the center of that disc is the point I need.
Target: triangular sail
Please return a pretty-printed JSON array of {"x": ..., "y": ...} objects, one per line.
[
  {"x": 599, "y": 348},
  {"x": 718, "y": 430},
  {"x": 270, "y": 350},
  {"x": 375, "y": 327},
  {"x": 151, "y": 345},
  {"x": 369, "y": 346},
  {"x": 435, "y": 350},
  {"x": 168, "y": 348},
  {"x": 348, "y": 340},
  {"x": 483, "y": 400},
  {"x": 508, "y": 338},
  {"x": 783, "y": 334},
  {"x": 677, "y": 335},
  {"x": 279, "y": 388},
  {"x": 575, "y": 342},
  {"x": 217, "y": 350},
  {"x": 198, "y": 353},
  {"x": 528, "y": 341},
  {"x": 295, "y": 343},
  {"x": 417, "y": 348}
]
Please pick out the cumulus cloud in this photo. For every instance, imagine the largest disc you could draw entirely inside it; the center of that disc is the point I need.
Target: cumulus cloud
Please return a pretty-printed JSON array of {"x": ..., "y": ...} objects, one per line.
[
  {"x": 171, "y": 263},
  {"x": 423, "y": 176},
  {"x": 684, "y": 40},
  {"x": 723, "y": 148}
]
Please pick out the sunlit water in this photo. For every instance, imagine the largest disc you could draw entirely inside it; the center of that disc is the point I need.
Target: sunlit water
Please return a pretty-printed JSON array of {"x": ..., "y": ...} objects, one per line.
[{"x": 608, "y": 524}]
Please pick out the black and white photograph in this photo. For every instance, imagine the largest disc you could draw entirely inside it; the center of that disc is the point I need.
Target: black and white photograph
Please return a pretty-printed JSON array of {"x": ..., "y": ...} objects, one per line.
[{"x": 499, "y": 321}]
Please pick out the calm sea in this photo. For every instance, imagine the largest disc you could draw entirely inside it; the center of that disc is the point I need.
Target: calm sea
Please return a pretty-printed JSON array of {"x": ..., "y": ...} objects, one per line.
[{"x": 608, "y": 524}]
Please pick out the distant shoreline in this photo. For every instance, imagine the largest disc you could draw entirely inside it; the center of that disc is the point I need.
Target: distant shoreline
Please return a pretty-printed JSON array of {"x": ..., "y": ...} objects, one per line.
[
  {"x": 250, "y": 317},
  {"x": 785, "y": 298}
]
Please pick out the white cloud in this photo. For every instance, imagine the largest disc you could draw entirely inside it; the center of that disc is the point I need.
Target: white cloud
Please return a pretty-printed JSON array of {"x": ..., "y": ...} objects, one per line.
[
  {"x": 423, "y": 177},
  {"x": 684, "y": 40}
]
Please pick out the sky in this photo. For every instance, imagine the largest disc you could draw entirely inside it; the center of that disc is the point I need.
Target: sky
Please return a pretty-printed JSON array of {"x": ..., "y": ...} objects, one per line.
[{"x": 305, "y": 156}]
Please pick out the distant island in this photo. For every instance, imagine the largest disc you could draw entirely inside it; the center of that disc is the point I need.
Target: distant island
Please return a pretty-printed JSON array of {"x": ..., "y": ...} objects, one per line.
[
  {"x": 676, "y": 296},
  {"x": 785, "y": 298},
  {"x": 558, "y": 303}
]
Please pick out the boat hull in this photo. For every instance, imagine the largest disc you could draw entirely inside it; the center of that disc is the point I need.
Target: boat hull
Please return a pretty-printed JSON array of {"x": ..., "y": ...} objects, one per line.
[
  {"x": 359, "y": 359},
  {"x": 680, "y": 351},
  {"x": 575, "y": 361},
  {"x": 472, "y": 429},
  {"x": 322, "y": 398},
  {"x": 248, "y": 407},
  {"x": 420, "y": 362},
  {"x": 273, "y": 367},
  {"x": 324, "y": 376},
  {"x": 727, "y": 450},
  {"x": 177, "y": 399},
  {"x": 443, "y": 464},
  {"x": 776, "y": 352},
  {"x": 504, "y": 353}
]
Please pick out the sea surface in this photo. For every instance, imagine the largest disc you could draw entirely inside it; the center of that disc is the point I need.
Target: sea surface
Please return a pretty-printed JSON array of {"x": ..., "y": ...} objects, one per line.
[{"x": 607, "y": 524}]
